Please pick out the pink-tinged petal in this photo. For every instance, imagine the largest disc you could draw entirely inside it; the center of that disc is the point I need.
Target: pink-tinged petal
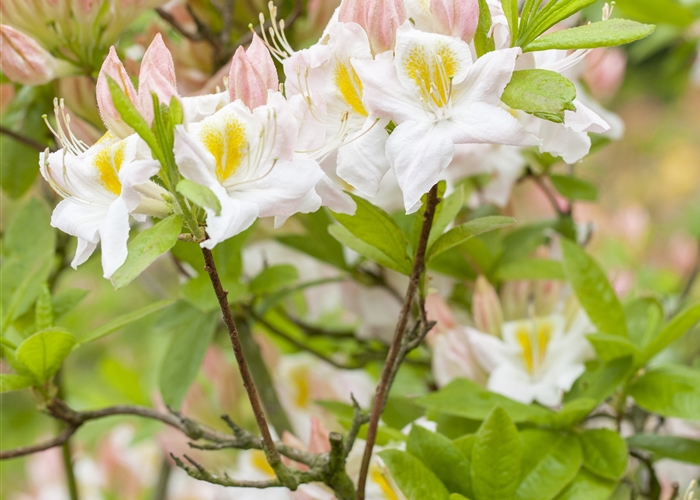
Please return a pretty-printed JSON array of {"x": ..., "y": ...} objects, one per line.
[
  {"x": 481, "y": 123},
  {"x": 486, "y": 308},
  {"x": 245, "y": 82},
  {"x": 114, "y": 235},
  {"x": 318, "y": 442},
  {"x": 418, "y": 152},
  {"x": 437, "y": 310},
  {"x": 363, "y": 163},
  {"x": 488, "y": 77},
  {"x": 259, "y": 55},
  {"x": 159, "y": 56},
  {"x": 152, "y": 81},
  {"x": 489, "y": 351},
  {"x": 382, "y": 20},
  {"x": 23, "y": 60},
  {"x": 352, "y": 11},
  {"x": 384, "y": 96},
  {"x": 113, "y": 68},
  {"x": 458, "y": 18}
]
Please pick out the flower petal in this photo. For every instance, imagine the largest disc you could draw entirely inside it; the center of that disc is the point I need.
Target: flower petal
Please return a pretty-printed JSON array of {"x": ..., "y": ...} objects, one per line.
[{"x": 363, "y": 163}]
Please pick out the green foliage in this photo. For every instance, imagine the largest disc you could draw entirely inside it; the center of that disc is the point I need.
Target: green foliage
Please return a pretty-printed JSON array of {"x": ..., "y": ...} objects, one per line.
[
  {"x": 122, "y": 321},
  {"x": 673, "y": 447},
  {"x": 43, "y": 309},
  {"x": 574, "y": 188},
  {"x": 593, "y": 290},
  {"x": 273, "y": 278},
  {"x": 200, "y": 195},
  {"x": 536, "y": 20},
  {"x": 446, "y": 212},
  {"x": 657, "y": 11},
  {"x": 374, "y": 234},
  {"x": 510, "y": 9},
  {"x": 415, "y": 480},
  {"x": 42, "y": 354},
  {"x": 588, "y": 486},
  {"x": 12, "y": 382},
  {"x": 147, "y": 247},
  {"x": 191, "y": 333},
  {"x": 608, "y": 33},
  {"x": 604, "y": 453},
  {"x": 460, "y": 234},
  {"x": 551, "y": 460},
  {"x": 600, "y": 380},
  {"x": 496, "y": 458},
  {"x": 442, "y": 458},
  {"x": 483, "y": 43},
  {"x": 674, "y": 330},
  {"x": 542, "y": 93},
  {"x": 531, "y": 269},
  {"x": 317, "y": 242},
  {"x": 671, "y": 391},
  {"x": 609, "y": 347}
]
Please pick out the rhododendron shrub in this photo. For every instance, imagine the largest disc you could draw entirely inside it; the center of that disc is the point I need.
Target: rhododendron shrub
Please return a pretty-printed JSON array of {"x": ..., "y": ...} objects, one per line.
[{"x": 356, "y": 230}]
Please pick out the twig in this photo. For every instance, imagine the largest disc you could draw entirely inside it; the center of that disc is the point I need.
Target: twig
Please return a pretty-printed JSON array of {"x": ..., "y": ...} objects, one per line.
[
  {"x": 59, "y": 440},
  {"x": 27, "y": 141},
  {"x": 360, "y": 418},
  {"x": 395, "y": 350},
  {"x": 200, "y": 473},
  {"x": 161, "y": 490},
  {"x": 550, "y": 196},
  {"x": 271, "y": 452},
  {"x": 170, "y": 19}
]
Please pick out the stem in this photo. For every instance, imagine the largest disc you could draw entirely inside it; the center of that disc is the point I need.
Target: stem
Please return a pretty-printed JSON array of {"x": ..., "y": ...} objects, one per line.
[
  {"x": 396, "y": 346},
  {"x": 161, "y": 492},
  {"x": 271, "y": 452},
  {"x": 27, "y": 141},
  {"x": 70, "y": 474},
  {"x": 261, "y": 375}
]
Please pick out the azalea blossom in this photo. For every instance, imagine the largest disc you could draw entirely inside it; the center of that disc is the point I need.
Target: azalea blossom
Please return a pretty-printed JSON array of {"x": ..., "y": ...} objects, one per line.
[
  {"x": 102, "y": 186},
  {"x": 438, "y": 97}
]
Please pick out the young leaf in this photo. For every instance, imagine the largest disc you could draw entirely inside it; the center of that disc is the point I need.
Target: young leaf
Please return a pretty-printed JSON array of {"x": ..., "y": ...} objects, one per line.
[
  {"x": 344, "y": 236},
  {"x": 199, "y": 195},
  {"x": 147, "y": 247},
  {"x": 11, "y": 382},
  {"x": 531, "y": 270},
  {"x": 670, "y": 391},
  {"x": 376, "y": 228},
  {"x": 657, "y": 11},
  {"x": 442, "y": 457},
  {"x": 604, "y": 453},
  {"x": 42, "y": 353},
  {"x": 593, "y": 290},
  {"x": 670, "y": 333},
  {"x": 67, "y": 300},
  {"x": 609, "y": 347},
  {"x": 415, "y": 480},
  {"x": 191, "y": 334},
  {"x": 542, "y": 93},
  {"x": 446, "y": 212},
  {"x": 673, "y": 447},
  {"x": 644, "y": 318},
  {"x": 466, "y": 231},
  {"x": 43, "y": 310},
  {"x": 573, "y": 188},
  {"x": 317, "y": 242},
  {"x": 482, "y": 41},
  {"x": 551, "y": 460},
  {"x": 510, "y": 9},
  {"x": 274, "y": 278},
  {"x": 550, "y": 15},
  {"x": 122, "y": 321},
  {"x": 588, "y": 486},
  {"x": 608, "y": 33},
  {"x": 599, "y": 382},
  {"x": 496, "y": 458}
]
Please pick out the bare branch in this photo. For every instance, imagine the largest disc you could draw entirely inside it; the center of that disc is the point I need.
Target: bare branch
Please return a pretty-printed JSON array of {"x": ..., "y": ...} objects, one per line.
[
  {"x": 27, "y": 141},
  {"x": 200, "y": 473},
  {"x": 59, "y": 440}
]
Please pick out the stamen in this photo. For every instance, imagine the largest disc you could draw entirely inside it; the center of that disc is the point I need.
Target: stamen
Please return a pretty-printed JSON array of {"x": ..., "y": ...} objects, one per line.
[{"x": 278, "y": 44}]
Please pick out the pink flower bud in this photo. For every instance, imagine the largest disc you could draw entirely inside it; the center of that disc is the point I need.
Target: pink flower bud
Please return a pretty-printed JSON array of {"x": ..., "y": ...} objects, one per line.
[
  {"x": 379, "y": 18},
  {"x": 486, "y": 308},
  {"x": 24, "y": 61},
  {"x": 157, "y": 76},
  {"x": 436, "y": 309},
  {"x": 605, "y": 72},
  {"x": 515, "y": 296},
  {"x": 113, "y": 68},
  {"x": 456, "y": 17},
  {"x": 252, "y": 74}
]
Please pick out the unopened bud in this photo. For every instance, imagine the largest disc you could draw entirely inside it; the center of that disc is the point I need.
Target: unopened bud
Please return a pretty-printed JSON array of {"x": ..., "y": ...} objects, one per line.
[
  {"x": 114, "y": 69},
  {"x": 379, "y": 18},
  {"x": 252, "y": 74},
  {"x": 458, "y": 18},
  {"x": 157, "y": 76},
  {"x": 486, "y": 308},
  {"x": 24, "y": 61}
]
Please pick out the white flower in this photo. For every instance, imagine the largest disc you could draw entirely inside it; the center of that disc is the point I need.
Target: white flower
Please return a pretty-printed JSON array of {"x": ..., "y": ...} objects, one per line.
[
  {"x": 537, "y": 359},
  {"x": 438, "y": 97},
  {"x": 247, "y": 159},
  {"x": 101, "y": 186}
]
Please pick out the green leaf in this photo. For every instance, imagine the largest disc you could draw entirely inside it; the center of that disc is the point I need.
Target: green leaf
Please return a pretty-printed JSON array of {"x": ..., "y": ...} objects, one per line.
[
  {"x": 550, "y": 15},
  {"x": 131, "y": 116},
  {"x": 466, "y": 231},
  {"x": 609, "y": 347},
  {"x": 457, "y": 496},
  {"x": 571, "y": 414},
  {"x": 442, "y": 457},
  {"x": 147, "y": 247},
  {"x": 464, "y": 398},
  {"x": 657, "y": 11},
  {"x": 43, "y": 310},
  {"x": 11, "y": 382},
  {"x": 673, "y": 447},
  {"x": 644, "y": 317},
  {"x": 465, "y": 445},
  {"x": 67, "y": 300},
  {"x": 510, "y": 9},
  {"x": 317, "y": 242},
  {"x": 551, "y": 460},
  {"x": 608, "y": 33},
  {"x": 542, "y": 93},
  {"x": 42, "y": 353},
  {"x": 496, "y": 458},
  {"x": 191, "y": 334},
  {"x": 670, "y": 391},
  {"x": 587, "y": 486},
  {"x": 200, "y": 195},
  {"x": 600, "y": 381},
  {"x": 531, "y": 270},
  {"x": 177, "y": 114},
  {"x": 604, "y": 453},
  {"x": 482, "y": 41},
  {"x": 344, "y": 236},
  {"x": 574, "y": 188},
  {"x": 674, "y": 330},
  {"x": 415, "y": 480},
  {"x": 273, "y": 278},
  {"x": 446, "y": 212},
  {"x": 593, "y": 290},
  {"x": 377, "y": 229},
  {"x": 121, "y": 321}
]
